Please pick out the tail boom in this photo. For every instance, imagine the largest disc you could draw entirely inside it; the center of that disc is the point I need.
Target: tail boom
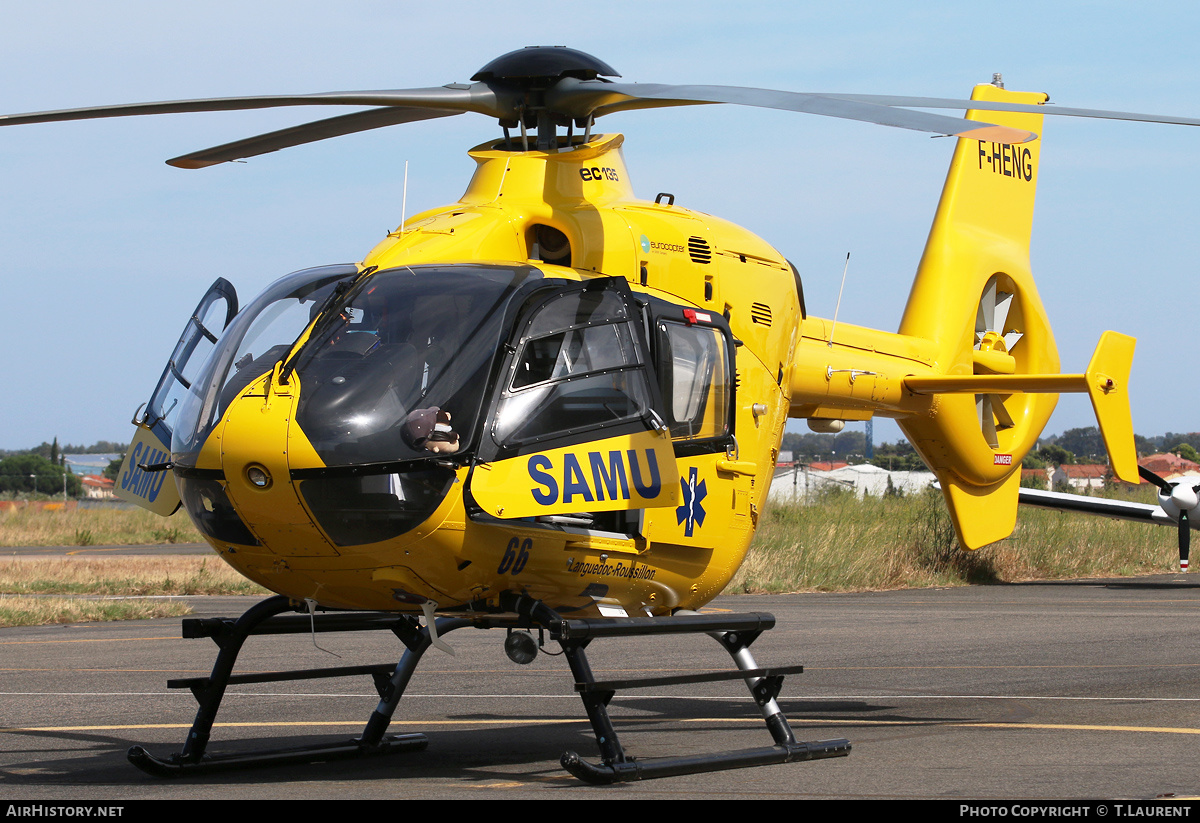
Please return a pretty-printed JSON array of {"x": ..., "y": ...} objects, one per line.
[{"x": 972, "y": 376}]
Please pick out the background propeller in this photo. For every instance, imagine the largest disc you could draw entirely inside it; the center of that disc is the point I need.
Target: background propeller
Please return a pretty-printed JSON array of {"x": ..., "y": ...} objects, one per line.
[{"x": 1177, "y": 500}]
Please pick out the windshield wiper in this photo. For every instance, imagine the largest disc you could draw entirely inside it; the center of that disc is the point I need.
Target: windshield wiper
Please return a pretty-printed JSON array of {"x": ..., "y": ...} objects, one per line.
[{"x": 326, "y": 317}]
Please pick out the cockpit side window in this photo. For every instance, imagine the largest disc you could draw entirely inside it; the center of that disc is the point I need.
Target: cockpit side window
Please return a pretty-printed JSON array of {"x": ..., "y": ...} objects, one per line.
[
  {"x": 258, "y": 337},
  {"x": 578, "y": 366},
  {"x": 214, "y": 312}
]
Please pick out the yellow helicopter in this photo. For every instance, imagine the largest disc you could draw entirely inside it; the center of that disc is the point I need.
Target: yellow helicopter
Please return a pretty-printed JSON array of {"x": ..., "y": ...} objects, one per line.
[{"x": 553, "y": 406}]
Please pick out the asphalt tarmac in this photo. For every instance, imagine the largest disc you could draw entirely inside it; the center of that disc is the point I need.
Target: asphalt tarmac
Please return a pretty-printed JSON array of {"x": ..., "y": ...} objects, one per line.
[{"x": 1082, "y": 689}]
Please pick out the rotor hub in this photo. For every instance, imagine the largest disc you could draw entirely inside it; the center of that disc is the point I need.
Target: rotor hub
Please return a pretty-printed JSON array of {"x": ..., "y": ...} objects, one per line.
[{"x": 543, "y": 65}]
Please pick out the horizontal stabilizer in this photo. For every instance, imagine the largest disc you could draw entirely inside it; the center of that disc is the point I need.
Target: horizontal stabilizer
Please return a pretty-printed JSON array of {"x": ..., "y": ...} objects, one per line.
[{"x": 1105, "y": 381}]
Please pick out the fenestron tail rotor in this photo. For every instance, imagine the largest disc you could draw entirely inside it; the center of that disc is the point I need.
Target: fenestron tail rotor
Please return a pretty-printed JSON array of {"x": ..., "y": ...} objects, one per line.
[
  {"x": 545, "y": 87},
  {"x": 994, "y": 341}
]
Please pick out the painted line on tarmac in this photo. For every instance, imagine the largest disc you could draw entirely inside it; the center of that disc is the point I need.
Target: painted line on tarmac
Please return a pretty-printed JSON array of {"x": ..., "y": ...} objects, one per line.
[
  {"x": 1124, "y": 699},
  {"x": 524, "y": 721},
  {"x": 514, "y": 721},
  {"x": 990, "y": 725},
  {"x": 85, "y": 640},
  {"x": 626, "y": 698},
  {"x": 1041, "y": 666}
]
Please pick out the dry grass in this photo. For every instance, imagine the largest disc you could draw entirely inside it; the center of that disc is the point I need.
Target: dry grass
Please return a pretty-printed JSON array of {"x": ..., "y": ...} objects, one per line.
[
  {"x": 40, "y": 611},
  {"x": 122, "y": 576},
  {"x": 29, "y": 526},
  {"x": 120, "y": 582},
  {"x": 837, "y": 544},
  {"x": 843, "y": 544}
]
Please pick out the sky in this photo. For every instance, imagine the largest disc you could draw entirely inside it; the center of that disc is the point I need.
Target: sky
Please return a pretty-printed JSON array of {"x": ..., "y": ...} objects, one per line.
[{"x": 104, "y": 250}]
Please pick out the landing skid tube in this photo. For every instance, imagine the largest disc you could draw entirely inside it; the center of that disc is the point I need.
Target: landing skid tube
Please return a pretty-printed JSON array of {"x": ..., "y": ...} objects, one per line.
[
  {"x": 265, "y": 618},
  {"x": 735, "y": 632}
]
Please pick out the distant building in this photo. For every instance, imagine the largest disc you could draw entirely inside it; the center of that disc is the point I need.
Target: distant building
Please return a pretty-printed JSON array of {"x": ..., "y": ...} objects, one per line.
[
  {"x": 795, "y": 484},
  {"x": 1169, "y": 466},
  {"x": 1080, "y": 476},
  {"x": 827, "y": 465},
  {"x": 96, "y": 487}
]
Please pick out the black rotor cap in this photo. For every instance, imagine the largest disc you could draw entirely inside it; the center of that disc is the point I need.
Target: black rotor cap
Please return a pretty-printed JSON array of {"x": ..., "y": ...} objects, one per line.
[{"x": 544, "y": 63}]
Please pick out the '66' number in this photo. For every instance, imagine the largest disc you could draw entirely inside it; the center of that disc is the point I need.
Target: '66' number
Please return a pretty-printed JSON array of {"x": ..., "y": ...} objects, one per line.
[{"x": 516, "y": 555}]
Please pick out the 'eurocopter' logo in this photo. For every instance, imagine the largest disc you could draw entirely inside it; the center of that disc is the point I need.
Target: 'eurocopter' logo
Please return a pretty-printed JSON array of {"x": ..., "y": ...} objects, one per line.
[
  {"x": 645, "y": 244},
  {"x": 692, "y": 510}
]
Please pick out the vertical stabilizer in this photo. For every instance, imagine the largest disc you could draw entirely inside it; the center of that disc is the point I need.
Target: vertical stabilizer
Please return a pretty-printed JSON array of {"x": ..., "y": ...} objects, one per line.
[{"x": 975, "y": 299}]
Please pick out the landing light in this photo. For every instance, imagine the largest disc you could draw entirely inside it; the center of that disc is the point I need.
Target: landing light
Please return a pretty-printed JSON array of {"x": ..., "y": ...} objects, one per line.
[
  {"x": 258, "y": 476},
  {"x": 520, "y": 647}
]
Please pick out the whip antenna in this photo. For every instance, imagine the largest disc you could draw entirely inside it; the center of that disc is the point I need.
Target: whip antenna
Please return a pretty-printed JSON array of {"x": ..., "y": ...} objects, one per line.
[
  {"x": 404, "y": 199},
  {"x": 839, "y": 300}
]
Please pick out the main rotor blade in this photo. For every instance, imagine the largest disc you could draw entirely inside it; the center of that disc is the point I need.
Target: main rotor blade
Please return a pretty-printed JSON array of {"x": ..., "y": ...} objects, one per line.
[
  {"x": 475, "y": 97},
  {"x": 980, "y": 105},
  {"x": 600, "y": 98},
  {"x": 306, "y": 133}
]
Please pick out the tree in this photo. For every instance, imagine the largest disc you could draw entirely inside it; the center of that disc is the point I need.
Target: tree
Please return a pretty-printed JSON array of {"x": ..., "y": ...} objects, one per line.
[
  {"x": 26, "y": 473},
  {"x": 1087, "y": 444},
  {"x": 1055, "y": 455},
  {"x": 1172, "y": 439},
  {"x": 897, "y": 457},
  {"x": 114, "y": 469},
  {"x": 1187, "y": 452},
  {"x": 1037, "y": 481},
  {"x": 1147, "y": 445}
]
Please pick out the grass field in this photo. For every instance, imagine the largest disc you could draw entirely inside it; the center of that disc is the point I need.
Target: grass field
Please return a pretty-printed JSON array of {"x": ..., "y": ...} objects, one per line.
[
  {"x": 21, "y": 611},
  {"x": 836, "y": 544},
  {"x": 30, "y": 526},
  {"x": 844, "y": 544},
  {"x": 36, "y": 590},
  {"x": 41, "y": 590}
]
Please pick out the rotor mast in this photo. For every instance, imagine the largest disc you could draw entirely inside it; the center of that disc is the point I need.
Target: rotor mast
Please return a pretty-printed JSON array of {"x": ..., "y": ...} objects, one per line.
[{"x": 531, "y": 72}]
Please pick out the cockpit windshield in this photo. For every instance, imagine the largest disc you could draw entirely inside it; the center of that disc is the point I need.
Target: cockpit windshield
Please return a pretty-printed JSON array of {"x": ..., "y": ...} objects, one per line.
[
  {"x": 397, "y": 369},
  {"x": 394, "y": 370}
]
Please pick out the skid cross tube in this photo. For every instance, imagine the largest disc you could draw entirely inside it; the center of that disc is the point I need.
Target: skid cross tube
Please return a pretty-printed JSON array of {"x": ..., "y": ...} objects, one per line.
[
  {"x": 264, "y": 618},
  {"x": 735, "y": 632}
]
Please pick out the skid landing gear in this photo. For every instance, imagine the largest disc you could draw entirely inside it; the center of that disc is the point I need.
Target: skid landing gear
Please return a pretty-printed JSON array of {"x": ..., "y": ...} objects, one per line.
[{"x": 735, "y": 632}]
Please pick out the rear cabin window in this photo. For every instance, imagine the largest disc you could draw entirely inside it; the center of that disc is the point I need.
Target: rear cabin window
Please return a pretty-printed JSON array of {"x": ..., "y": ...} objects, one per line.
[{"x": 695, "y": 376}]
